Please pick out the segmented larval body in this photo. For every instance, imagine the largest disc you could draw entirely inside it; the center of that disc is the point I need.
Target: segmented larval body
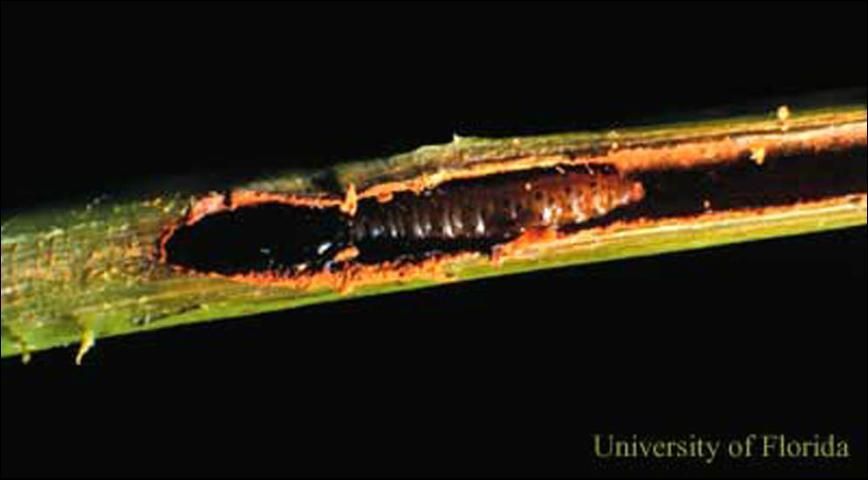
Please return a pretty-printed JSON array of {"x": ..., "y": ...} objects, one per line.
[{"x": 497, "y": 211}]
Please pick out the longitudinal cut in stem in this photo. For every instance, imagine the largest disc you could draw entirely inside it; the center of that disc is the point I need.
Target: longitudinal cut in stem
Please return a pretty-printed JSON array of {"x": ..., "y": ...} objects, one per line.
[{"x": 469, "y": 209}]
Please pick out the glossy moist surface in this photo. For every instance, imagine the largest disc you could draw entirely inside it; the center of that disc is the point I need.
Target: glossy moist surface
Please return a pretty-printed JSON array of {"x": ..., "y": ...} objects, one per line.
[{"x": 499, "y": 211}]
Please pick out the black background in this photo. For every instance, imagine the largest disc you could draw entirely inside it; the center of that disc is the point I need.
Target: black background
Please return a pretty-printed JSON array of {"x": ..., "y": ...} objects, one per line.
[{"x": 506, "y": 377}]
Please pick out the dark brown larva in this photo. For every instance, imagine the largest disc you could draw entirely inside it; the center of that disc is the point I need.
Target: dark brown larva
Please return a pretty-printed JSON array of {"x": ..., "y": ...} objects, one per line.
[{"x": 500, "y": 211}]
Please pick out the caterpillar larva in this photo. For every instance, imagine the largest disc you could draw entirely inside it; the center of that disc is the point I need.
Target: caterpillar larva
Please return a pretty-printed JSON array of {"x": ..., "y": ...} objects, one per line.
[{"x": 499, "y": 211}]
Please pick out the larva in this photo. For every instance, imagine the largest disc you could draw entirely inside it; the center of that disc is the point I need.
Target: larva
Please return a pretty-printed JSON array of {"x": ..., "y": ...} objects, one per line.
[{"x": 495, "y": 212}]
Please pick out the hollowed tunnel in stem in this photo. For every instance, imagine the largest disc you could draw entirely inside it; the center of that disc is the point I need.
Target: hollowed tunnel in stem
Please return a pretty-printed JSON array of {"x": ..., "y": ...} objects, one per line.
[{"x": 282, "y": 239}]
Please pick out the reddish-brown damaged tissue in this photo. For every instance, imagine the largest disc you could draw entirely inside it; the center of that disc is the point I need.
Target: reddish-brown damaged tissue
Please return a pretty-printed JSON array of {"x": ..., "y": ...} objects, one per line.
[{"x": 290, "y": 239}]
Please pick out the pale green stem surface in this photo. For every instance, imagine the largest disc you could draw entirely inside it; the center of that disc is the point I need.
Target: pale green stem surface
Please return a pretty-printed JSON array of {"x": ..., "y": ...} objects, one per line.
[{"x": 70, "y": 275}]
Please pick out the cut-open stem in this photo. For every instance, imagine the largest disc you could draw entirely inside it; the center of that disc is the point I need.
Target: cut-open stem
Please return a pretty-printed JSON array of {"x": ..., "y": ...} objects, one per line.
[{"x": 470, "y": 209}]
